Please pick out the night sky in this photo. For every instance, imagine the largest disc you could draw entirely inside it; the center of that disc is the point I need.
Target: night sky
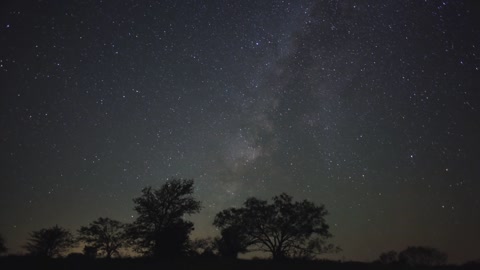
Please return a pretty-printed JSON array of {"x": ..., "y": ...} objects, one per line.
[{"x": 370, "y": 107}]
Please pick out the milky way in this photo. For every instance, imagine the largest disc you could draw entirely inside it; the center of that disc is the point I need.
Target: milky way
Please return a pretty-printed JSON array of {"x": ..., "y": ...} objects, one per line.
[{"x": 369, "y": 107}]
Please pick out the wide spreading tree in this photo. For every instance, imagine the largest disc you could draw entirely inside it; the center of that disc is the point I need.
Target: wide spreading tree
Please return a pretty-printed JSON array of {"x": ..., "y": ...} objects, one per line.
[
  {"x": 105, "y": 235},
  {"x": 284, "y": 228},
  {"x": 160, "y": 229},
  {"x": 49, "y": 242}
]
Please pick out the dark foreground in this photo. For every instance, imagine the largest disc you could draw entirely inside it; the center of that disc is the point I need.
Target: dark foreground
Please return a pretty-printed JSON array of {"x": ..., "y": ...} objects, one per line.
[{"x": 14, "y": 262}]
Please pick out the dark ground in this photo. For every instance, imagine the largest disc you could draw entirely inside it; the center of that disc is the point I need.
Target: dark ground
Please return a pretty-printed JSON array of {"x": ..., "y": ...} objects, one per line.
[{"x": 16, "y": 262}]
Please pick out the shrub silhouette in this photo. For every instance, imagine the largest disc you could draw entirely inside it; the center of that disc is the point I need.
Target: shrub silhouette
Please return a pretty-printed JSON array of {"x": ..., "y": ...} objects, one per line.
[
  {"x": 422, "y": 256},
  {"x": 285, "y": 229},
  {"x": 105, "y": 235},
  {"x": 49, "y": 242},
  {"x": 160, "y": 230},
  {"x": 388, "y": 257}
]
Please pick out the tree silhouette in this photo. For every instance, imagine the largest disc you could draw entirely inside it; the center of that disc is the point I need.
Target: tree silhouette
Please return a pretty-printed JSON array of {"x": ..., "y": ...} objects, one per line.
[
  {"x": 388, "y": 257},
  {"x": 3, "y": 248},
  {"x": 422, "y": 256},
  {"x": 49, "y": 242},
  {"x": 284, "y": 228},
  {"x": 203, "y": 247},
  {"x": 90, "y": 252},
  {"x": 104, "y": 234},
  {"x": 233, "y": 240},
  {"x": 160, "y": 229}
]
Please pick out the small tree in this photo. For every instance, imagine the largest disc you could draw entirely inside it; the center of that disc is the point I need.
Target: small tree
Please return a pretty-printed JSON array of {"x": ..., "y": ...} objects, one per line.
[
  {"x": 49, "y": 242},
  {"x": 422, "y": 256},
  {"x": 285, "y": 229},
  {"x": 202, "y": 247},
  {"x": 104, "y": 234},
  {"x": 160, "y": 229},
  {"x": 90, "y": 252},
  {"x": 3, "y": 248},
  {"x": 233, "y": 241},
  {"x": 388, "y": 257}
]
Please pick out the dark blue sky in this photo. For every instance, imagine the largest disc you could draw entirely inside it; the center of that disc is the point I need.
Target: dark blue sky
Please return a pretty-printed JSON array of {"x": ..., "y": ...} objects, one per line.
[{"x": 369, "y": 107}]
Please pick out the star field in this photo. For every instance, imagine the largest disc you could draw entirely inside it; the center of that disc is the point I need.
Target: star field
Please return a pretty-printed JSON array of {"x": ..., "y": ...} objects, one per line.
[{"x": 369, "y": 107}]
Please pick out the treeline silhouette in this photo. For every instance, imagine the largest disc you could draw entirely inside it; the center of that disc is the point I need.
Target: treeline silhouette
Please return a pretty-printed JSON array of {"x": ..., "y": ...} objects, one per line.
[{"x": 290, "y": 232}]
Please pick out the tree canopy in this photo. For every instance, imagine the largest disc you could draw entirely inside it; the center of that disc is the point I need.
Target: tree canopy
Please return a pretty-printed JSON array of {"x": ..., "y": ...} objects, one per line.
[
  {"x": 284, "y": 228},
  {"x": 105, "y": 235},
  {"x": 160, "y": 229},
  {"x": 49, "y": 242}
]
